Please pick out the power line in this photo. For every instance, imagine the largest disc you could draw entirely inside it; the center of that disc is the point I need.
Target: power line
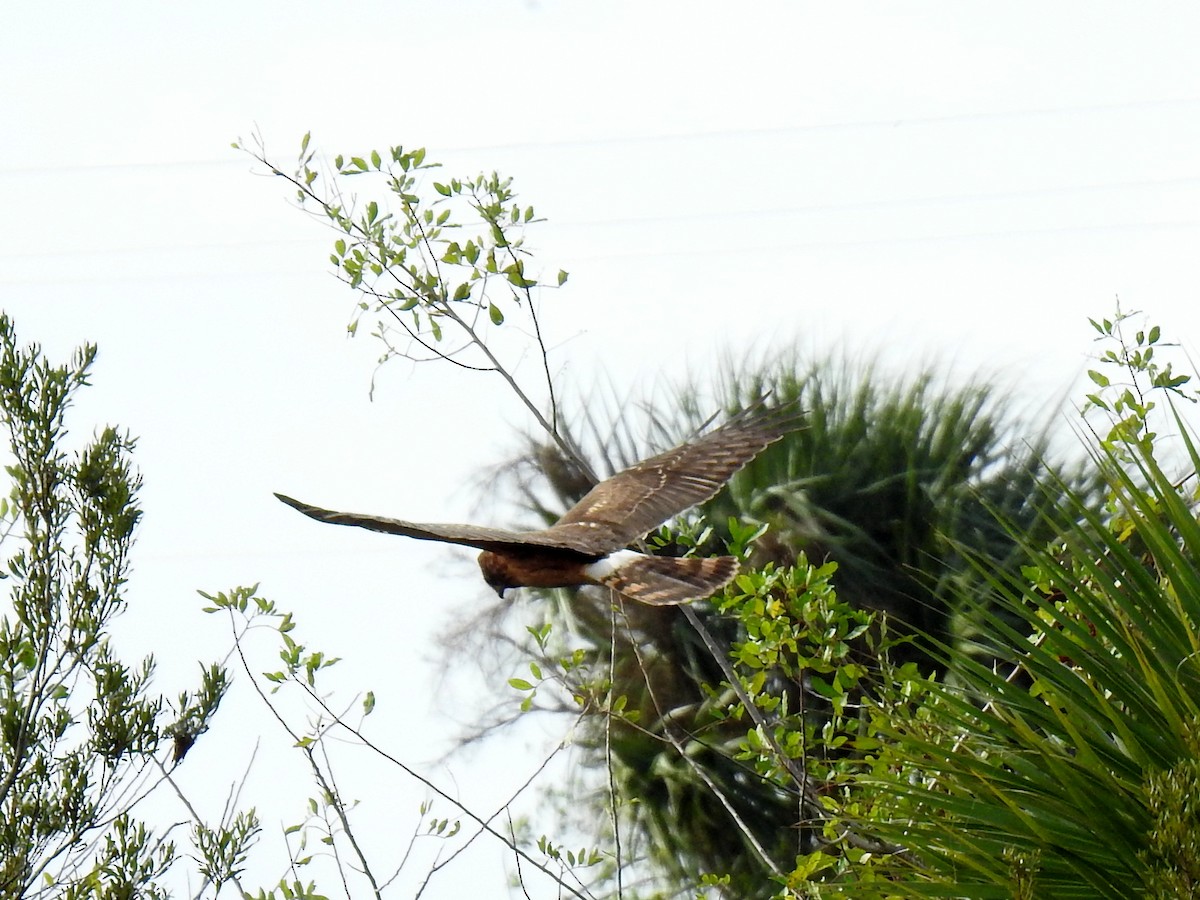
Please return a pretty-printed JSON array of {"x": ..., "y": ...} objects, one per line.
[
  {"x": 696, "y": 135},
  {"x": 948, "y": 118},
  {"x": 757, "y": 249},
  {"x": 671, "y": 218}
]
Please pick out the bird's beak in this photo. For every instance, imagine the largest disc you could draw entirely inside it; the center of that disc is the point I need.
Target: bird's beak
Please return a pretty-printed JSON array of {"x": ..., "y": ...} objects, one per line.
[{"x": 500, "y": 592}]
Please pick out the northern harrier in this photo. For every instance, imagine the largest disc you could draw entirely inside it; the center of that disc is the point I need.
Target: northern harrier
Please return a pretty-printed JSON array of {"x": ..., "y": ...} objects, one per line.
[{"x": 588, "y": 544}]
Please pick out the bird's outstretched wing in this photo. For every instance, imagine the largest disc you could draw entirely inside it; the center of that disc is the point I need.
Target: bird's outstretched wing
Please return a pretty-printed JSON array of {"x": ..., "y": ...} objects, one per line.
[
  {"x": 631, "y": 503},
  {"x": 469, "y": 535}
]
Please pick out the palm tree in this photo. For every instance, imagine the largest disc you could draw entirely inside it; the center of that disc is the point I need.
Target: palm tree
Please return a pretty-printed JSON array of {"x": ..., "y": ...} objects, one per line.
[
  {"x": 1086, "y": 783},
  {"x": 889, "y": 478}
]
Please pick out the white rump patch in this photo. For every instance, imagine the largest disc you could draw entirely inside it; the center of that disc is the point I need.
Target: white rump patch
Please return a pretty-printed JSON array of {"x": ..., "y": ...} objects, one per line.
[{"x": 602, "y": 568}]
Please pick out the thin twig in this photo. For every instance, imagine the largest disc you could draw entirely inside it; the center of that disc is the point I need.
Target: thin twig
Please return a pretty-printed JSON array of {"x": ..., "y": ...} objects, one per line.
[
  {"x": 484, "y": 824},
  {"x": 810, "y": 804},
  {"x": 608, "y": 719},
  {"x": 317, "y": 773},
  {"x": 503, "y": 808},
  {"x": 798, "y": 772},
  {"x": 696, "y": 768},
  {"x": 444, "y": 306},
  {"x": 199, "y": 821}
]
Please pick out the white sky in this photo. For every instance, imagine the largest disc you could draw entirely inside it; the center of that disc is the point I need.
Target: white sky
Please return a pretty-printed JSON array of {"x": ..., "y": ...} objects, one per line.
[{"x": 920, "y": 182}]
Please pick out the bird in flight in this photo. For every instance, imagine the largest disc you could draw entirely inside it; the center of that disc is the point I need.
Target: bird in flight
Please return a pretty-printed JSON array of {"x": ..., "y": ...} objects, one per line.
[{"x": 589, "y": 544}]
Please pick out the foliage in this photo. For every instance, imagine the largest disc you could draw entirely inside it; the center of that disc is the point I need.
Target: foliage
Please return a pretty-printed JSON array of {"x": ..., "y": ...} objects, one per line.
[
  {"x": 327, "y": 842},
  {"x": 80, "y": 733},
  {"x": 327, "y": 820},
  {"x": 892, "y": 480},
  {"x": 443, "y": 271},
  {"x": 1127, "y": 402},
  {"x": 997, "y": 698},
  {"x": 440, "y": 273},
  {"x": 1071, "y": 774}
]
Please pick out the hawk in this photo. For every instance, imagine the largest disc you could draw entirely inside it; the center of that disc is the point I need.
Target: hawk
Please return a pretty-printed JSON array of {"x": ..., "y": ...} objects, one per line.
[{"x": 589, "y": 544}]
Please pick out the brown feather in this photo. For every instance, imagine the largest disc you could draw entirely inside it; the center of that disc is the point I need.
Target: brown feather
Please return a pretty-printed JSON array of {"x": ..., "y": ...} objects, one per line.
[
  {"x": 484, "y": 538},
  {"x": 631, "y": 503},
  {"x": 667, "y": 581}
]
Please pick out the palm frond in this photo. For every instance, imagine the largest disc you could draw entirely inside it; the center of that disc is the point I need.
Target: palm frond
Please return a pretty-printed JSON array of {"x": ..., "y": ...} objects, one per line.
[{"x": 1058, "y": 768}]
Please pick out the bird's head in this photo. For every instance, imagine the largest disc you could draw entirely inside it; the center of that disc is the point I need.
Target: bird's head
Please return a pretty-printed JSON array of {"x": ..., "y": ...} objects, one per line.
[{"x": 495, "y": 572}]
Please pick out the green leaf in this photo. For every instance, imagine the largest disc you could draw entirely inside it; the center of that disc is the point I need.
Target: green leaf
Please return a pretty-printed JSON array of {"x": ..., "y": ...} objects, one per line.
[
  {"x": 494, "y": 314},
  {"x": 1098, "y": 377},
  {"x": 376, "y": 162},
  {"x": 516, "y": 276},
  {"x": 369, "y": 703},
  {"x": 563, "y": 275},
  {"x": 520, "y": 684}
]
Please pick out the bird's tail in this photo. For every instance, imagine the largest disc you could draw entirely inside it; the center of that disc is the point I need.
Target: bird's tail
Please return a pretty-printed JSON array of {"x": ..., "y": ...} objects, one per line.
[{"x": 666, "y": 580}]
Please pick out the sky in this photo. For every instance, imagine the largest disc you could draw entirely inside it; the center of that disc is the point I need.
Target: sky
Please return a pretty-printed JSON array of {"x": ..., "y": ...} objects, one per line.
[{"x": 946, "y": 184}]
